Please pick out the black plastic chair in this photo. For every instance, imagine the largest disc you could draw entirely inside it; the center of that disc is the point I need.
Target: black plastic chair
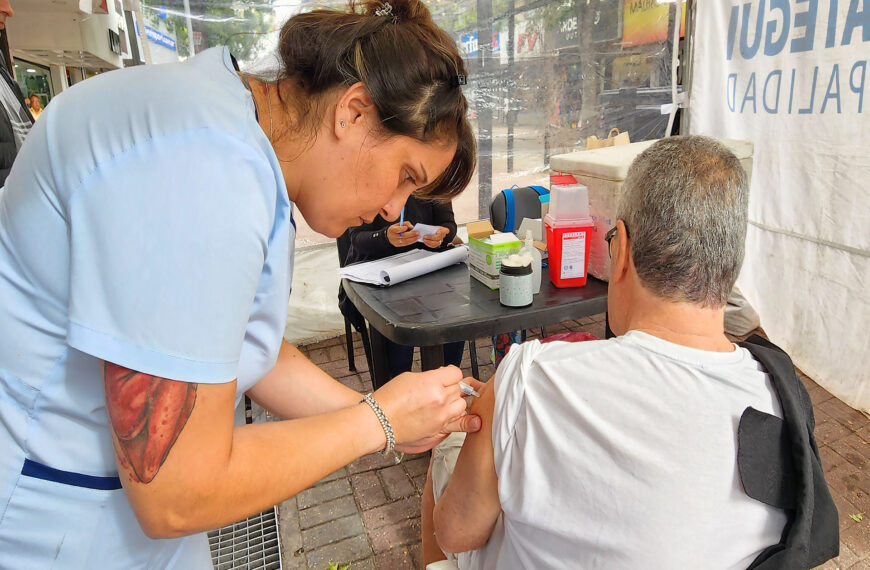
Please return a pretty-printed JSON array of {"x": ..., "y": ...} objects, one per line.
[{"x": 352, "y": 317}]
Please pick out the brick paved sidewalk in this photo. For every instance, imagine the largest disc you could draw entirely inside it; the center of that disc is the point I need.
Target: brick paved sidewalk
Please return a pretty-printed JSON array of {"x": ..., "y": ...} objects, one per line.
[{"x": 368, "y": 514}]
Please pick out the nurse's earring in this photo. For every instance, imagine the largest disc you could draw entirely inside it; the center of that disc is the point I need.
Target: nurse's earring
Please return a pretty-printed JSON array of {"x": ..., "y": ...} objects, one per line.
[{"x": 342, "y": 124}]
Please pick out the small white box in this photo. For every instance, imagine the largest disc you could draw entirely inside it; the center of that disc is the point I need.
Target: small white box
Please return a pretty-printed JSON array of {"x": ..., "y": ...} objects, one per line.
[{"x": 486, "y": 249}]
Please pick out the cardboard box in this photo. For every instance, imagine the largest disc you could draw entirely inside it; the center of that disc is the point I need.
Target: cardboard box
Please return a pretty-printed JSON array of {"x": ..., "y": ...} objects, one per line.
[
  {"x": 603, "y": 172},
  {"x": 486, "y": 249}
]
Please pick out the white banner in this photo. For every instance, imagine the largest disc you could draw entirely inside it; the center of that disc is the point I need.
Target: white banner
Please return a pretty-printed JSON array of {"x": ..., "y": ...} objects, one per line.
[{"x": 792, "y": 76}]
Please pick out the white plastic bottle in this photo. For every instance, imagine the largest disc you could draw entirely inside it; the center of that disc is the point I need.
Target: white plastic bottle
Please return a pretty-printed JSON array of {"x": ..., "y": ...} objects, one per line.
[{"x": 534, "y": 254}]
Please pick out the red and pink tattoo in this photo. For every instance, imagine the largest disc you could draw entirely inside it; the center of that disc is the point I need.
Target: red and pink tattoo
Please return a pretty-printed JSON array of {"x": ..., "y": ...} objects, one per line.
[{"x": 147, "y": 414}]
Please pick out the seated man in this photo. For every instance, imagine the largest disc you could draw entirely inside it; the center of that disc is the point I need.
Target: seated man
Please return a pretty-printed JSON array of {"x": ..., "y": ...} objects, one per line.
[{"x": 623, "y": 453}]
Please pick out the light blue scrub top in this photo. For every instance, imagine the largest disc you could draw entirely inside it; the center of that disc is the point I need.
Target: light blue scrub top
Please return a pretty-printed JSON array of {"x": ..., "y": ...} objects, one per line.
[{"x": 145, "y": 222}]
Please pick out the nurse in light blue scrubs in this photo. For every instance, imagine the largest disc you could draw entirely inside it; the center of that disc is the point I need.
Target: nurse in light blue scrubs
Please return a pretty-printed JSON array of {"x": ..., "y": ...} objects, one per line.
[{"x": 146, "y": 253}]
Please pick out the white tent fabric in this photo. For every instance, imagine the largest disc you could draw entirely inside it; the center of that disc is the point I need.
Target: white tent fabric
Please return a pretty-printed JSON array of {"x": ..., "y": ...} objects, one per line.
[
  {"x": 792, "y": 78},
  {"x": 313, "y": 313}
]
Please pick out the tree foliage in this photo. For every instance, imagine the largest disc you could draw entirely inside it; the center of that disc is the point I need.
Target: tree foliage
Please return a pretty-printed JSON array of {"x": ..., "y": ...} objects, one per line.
[{"x": 240, "y": 25}]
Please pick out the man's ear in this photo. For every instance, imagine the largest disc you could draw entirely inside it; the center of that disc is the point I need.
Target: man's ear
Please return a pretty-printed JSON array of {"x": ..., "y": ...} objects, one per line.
[
  {"x": 621, "y": 255},
  {"x": 354, "y": 109}
]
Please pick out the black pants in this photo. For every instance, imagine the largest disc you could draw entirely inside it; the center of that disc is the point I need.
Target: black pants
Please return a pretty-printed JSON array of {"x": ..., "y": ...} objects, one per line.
[{"x": 401, "y": 357}]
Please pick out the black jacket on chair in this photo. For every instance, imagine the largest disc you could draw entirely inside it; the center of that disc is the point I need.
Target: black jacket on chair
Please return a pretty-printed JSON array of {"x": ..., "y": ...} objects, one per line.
[{"x": 779, "y": 465}]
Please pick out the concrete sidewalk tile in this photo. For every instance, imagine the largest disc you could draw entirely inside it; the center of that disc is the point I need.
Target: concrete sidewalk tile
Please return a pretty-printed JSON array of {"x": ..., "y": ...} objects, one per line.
[
  {"x": 839, "y": 473},
  {"x": 857, "y": 539},
  {"x": 845, "y": 560},
  {"x": 318, "y": 355},
  {"x": 853, "y": 450},
  {"x": 808, "y": 382},
  {"x": 400, "y": 534},
  {"x": 339, "y": 368},
  {"x": 852, "y": 484},
  {"x": 332, "y": 531},
  {"x": 326, "y": 344},
  {"x": 399, "y": 558},
  {"x": 597, "y": 329},
  {"x": 339, "y": 474},
  {"x": 354, "y": 383},
  {"x": 860, "y": 499},
  {"x": 345, "y": 551},
  {"x": 336, "y": 353},
  {"x": 417, "y": 465},
  {"x": 829, "y": 457},
  {"x": 486, "y": 372},
  {"x": 819, "y": 395},
  {"x": 861, "y": 565},
  {"x": 397, "y": 484},
  {"x": 828, "y": 430},
  {"x": 358, "y": 348},
  {"x": 366, "y": 564},
  {"x": 845, "y": 509},
  {"x": 416, "y": 554},
  {"x": 367, "y": 490},
  {"x": 391, "y": 513},
  {"x": 369, "y": 462},
  {"x": 323, "y": 493},
  {"x": 846, "y": 415},
  {"x": 331, "y": 510},
  {"x": 419, "y": 482},
  {"x": 290, "y": 535}
]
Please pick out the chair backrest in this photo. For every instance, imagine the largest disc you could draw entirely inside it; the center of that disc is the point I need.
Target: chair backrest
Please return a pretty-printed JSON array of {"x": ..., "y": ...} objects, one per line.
[
  {"x": 511, "y": 205},
  {"x": 343, "y": 243}
]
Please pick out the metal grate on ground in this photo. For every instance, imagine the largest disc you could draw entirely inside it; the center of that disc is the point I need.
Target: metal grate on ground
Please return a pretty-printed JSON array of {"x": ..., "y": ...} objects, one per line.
[{"x": 252, "y": 543}]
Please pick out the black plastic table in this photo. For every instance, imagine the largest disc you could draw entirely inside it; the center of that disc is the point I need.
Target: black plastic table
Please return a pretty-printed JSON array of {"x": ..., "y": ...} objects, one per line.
[{"x": 449, "y": 305}]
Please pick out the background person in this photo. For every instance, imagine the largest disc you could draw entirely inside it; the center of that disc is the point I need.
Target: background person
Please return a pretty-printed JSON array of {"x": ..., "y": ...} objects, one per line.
[
  {"x": 35, "y": 107},
  {"x": 145, "y": 268},
  {"x": 383, "y": 238},
  {"x": 15, "y": 118},
  {"x": 623, "y": 453}
]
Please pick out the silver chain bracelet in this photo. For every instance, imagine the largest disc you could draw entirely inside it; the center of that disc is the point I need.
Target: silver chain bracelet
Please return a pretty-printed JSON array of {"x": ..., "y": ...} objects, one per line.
[{"x": 385, "y": 423}]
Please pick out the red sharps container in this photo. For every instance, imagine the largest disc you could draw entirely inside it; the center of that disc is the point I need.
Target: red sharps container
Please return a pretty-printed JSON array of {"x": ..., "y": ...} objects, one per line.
[{"x": 569, "y": 228}]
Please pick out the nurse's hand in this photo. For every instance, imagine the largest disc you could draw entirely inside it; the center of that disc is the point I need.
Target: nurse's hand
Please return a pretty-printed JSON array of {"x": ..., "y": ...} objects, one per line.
[
  {"x": 424, "y": 407},
  {"x": 406, "y": 238}
]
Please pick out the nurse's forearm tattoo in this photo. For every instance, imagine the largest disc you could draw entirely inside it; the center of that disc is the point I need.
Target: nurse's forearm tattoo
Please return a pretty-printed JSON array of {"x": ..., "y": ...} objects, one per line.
[{"x": 147, "y": 413}]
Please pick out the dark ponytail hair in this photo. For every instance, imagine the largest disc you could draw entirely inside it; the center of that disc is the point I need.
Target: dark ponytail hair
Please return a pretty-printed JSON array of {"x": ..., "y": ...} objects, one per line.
[{"x": 411, "y": 68}]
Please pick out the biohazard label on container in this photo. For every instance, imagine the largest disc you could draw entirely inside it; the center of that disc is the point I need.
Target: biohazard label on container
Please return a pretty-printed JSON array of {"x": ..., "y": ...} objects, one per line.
[{"x": 573, "y": 255}]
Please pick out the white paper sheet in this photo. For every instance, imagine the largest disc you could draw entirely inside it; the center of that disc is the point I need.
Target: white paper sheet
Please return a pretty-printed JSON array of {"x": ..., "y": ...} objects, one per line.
[
  {"x": 403, "y": 266},
  {"x": 425, "y": 230}
]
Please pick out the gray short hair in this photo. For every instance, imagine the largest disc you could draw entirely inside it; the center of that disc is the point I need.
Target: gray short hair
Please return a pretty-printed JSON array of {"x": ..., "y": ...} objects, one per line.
[{"x": 685, "y": 205}]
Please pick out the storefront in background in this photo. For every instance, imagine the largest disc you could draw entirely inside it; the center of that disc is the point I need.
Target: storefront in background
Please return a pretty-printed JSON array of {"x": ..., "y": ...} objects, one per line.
[{"x": 34, "y": 79}]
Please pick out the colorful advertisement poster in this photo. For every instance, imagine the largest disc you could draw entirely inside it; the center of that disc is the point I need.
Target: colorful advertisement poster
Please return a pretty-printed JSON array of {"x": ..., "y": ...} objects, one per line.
[{"x": 646, "y": 21}]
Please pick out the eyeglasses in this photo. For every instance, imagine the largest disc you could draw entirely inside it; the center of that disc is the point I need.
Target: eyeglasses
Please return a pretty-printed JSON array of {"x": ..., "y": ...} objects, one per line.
[{"x": 608, "y": 237}]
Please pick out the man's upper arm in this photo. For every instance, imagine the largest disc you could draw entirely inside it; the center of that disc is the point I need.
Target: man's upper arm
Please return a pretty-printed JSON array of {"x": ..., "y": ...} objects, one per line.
[{"x": 469, "y": 508}]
